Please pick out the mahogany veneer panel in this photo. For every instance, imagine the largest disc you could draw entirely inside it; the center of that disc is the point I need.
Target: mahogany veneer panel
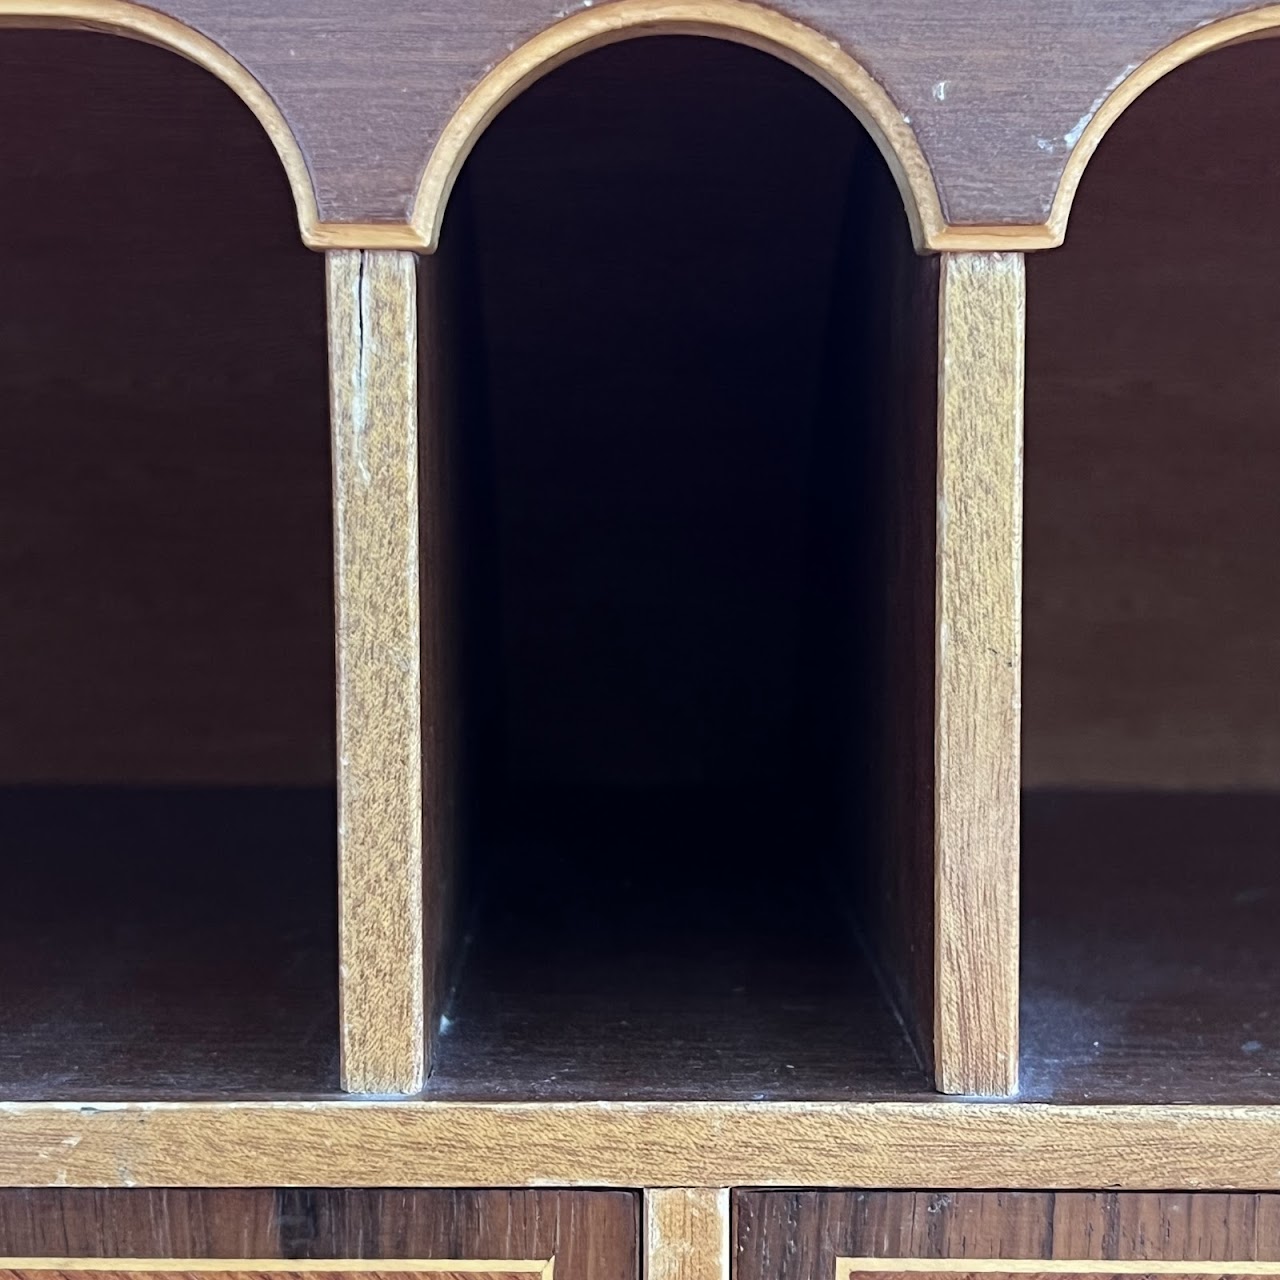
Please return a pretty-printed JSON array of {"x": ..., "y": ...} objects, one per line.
[
  {"x": 165, "y": 529},
  {"x": 592, "y": 1235},
  {"x": 1151, "y": 615},
  {"x": 798, "y": 1235},
  {"x": 996, "y": 90},
  {"x": 167, "y": 943},
  {"x": 1151, "y": 962}
]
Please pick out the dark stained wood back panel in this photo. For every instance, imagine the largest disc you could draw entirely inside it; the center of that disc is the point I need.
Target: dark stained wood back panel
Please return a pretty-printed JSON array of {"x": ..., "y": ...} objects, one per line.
[
  {"x": 593, "y": 1235},
  {"x": 896, "y": 297},
  {"x": 1152, "y": 451},
  {"x": 996, "y": 90},
  {"x": 798, "y": 1235},
  {"x": 165, "y": 545},
  {"x": 653, "y": 333}
]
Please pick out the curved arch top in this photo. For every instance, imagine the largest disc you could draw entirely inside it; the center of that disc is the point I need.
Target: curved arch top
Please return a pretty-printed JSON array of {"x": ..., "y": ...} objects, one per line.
[
  {"x": 733, "y": 20},
  {"x": 1257, "y": 24},
  {"x": 125, "y": 18}
]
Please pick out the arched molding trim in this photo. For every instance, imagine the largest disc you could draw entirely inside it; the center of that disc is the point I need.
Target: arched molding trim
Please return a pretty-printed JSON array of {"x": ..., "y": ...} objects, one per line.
[
  {"x": 124, "y": 18},
  {"x": 734, "y": 20},
  {"x": 1238, "y": 29}
]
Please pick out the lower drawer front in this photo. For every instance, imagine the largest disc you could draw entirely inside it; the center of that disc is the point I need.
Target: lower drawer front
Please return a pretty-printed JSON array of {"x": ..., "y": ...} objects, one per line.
[
  {"x": 1002, "y": 1235},
  {"x": 321, "y": 1234}
]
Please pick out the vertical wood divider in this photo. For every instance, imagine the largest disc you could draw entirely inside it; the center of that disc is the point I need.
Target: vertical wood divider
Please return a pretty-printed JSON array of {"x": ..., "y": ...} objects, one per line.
[
  {"x": 686, "y": 1234},
  {"x": 981, "y": 336},
  {"x": 373, "y": 367}
]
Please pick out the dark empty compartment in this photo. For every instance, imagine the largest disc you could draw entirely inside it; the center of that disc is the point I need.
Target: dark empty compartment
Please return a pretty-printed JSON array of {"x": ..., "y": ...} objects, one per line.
[
  {"x": 168, "y": 919},
  {"x": 1151, "y": 829},
  {"x": 692, "y": 459}
]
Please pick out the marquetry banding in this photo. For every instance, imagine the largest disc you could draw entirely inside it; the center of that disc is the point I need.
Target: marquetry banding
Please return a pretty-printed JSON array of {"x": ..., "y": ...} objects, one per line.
[
  {"x": 847, "y": 1268},
  {"x": 244, "y": 1267}
]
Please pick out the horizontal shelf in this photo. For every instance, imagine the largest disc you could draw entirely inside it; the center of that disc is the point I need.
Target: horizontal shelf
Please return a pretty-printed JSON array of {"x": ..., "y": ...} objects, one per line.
[
  {"x": 167, "y": 943},
  {"x": 1151, "y": 957},
  {"x": 659, "y": 950},
  {"x": 381, "y": 1143}
]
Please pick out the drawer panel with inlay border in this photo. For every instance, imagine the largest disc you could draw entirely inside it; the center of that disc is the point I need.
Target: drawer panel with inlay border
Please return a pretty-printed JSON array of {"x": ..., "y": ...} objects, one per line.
[
  {"x": 1004, "y": 1235},
  {"x": 318, "y": 1234}
]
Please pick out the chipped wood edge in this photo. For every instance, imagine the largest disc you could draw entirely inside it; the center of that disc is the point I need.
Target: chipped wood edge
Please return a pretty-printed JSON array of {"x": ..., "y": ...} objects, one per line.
[
  {"x": 734, "y": 20},
  {"x": 849, "y": 1267},
  {"x": 373, "y": 372},
  {"x": 1239, "y": 28},
  {"x": 543, "y": 1267},
  {"x": 123, "y": 18},
  {"x": 686, "y": 1233},
  {"x": 981, "y": 333},
  {"x": 627, "y": 1145}
]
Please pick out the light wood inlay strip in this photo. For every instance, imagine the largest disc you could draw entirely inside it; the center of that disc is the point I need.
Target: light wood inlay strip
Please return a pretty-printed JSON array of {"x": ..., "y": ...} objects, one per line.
[
  {"x": 686, "y": 1231},
  {"x": 979, "y": 636},
  {"x": 849, "y": 1267},
  {"x": 240, "y": 1267},
  {"x": 373, "y": 371}
]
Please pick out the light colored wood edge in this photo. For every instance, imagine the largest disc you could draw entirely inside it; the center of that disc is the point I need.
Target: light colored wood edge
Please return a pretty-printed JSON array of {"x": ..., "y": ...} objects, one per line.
[
  {"x": 366, "y": 235},
  {"x": 947, "y": 239},
  {"x": 846, "y": 1267},
  {"x": 734, "y": 20},
  {"x": 627, "y": 1145},
  {"x": 686, "y": 1233},
  {"x": 1257, "y": 24},
  {"x": 120, "y": 17},
  {"x": 997, "y": 238},
  {"x": 981, "y": 335},
  {"x": 356, "y": 1266},
  {"x": 373, "y": 384}
]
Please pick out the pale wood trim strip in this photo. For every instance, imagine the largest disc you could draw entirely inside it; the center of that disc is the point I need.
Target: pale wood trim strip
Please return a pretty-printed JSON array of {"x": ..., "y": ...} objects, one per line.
[
  {"x": 1260, "y": 23},
  {"x": 981, "y": 312},
  {"x": 373, "y": 371},
  {"x": 121, "y": 17},
  {"x": 626, "y": 1145},
  {"x": 846, "y": 1267},
  {"x": 735, "y": 20},
  {"x": 949, "y": 238},
  {"x": 291, "y": 1266},
  {"x": 686, "y": 1233}
]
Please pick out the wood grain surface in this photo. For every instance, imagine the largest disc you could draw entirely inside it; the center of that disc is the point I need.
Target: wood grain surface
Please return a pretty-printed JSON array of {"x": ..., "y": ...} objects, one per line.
[
  {"x": 686, "y": 1232},
  {"x": 585, "y": 1235},
  {"x": 373, "y": 316},
  {"x": 1152, "y": 619},
  {"x": 629, "y": 1144},
  {"x": 786, "y": 1235},
  {"x": 166, "y": 572},
  {"x": 981, "y": 326},
  {"x": 999, "y": 94},
  {"x": 168, "y": 942},
  {"x": 1162, "y": 987}
]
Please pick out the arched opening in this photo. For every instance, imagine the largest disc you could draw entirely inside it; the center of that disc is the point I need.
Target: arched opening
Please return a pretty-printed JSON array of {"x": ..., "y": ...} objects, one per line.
[
  {"x": 166, "y": 657},
  {"x": 683, "y": 394},
  {"x": 1151, "y": 696}
]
